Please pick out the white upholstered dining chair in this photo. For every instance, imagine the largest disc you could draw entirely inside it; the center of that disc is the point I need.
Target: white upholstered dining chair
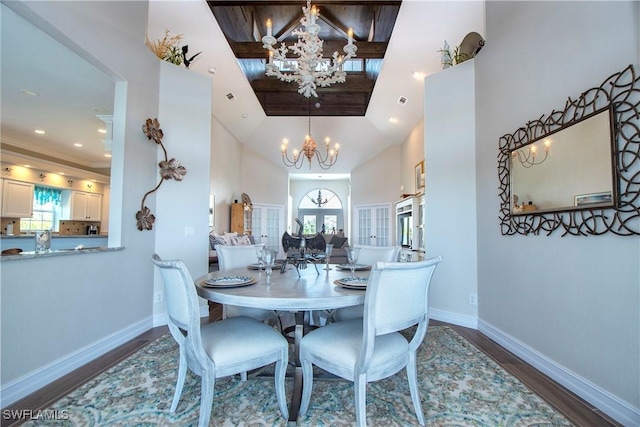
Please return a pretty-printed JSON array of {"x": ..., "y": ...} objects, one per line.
[
  {"x": 217, "y": 349},
  {"x": 372, "y": 348},
  {"x": 369, "y": 255},
  {"x": 230, "y": 257}
]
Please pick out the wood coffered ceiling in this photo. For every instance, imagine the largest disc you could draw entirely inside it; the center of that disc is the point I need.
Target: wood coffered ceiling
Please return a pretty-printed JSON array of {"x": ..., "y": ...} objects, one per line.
[{"x": 244, "y": 23}]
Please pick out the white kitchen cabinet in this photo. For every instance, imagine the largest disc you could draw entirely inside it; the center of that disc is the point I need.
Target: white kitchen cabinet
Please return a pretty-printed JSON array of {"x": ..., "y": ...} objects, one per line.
[
  {"x": 373, "y": 225},
  {"x": 17, "y": 199},
  {"x": 86, "y": 206}
]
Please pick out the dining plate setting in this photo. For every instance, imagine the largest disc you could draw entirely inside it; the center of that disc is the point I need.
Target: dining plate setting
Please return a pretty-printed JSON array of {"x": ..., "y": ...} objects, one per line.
[
  {"x": 229, "y": 281},
  {"x": 353, "y": 282}
]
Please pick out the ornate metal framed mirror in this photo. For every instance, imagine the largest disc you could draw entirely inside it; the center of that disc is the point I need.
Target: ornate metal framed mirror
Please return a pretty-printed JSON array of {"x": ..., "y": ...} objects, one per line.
[{"x": 577, "y": 169}]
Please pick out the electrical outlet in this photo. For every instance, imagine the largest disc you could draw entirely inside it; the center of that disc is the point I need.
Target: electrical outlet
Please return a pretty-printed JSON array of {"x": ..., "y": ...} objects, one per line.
[
  {"x": 159, "y": 296},
  {"x": 473, "y": 299}
]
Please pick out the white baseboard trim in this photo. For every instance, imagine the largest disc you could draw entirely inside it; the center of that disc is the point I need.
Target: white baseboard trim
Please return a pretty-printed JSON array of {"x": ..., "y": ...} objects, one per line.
[
  {"x": 34, "y": 380},
  {"x": 603, "y": 400},
  {"x": 453, "y": 318}
]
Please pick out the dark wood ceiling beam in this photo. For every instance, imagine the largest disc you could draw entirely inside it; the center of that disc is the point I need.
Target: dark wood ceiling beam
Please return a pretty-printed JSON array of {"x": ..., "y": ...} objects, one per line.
[
  {"x": 372, "y": 28},
  {"x": 301, "y": 2},
  {"x": 332, "y": 21},
  {"x": 289, "y": 28},
  {"x": 366, "y": 50},
  {"x": 351, "y": 85}
]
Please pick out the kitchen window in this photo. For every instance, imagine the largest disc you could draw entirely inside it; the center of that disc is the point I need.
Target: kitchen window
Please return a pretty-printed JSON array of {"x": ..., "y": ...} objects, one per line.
[{"x": 46, "y": 210}]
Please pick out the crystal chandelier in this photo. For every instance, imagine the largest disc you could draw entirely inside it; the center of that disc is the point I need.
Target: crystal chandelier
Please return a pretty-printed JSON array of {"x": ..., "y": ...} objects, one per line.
[
  {"x": 310, "y": 70},
  {"x": 309, "y": 150},
  {"x": 528, "y": 159}
]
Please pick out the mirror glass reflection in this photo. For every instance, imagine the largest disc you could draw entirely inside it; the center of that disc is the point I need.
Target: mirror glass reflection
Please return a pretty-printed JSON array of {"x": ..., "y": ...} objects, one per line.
[
  {"x": 47, "y": 86},
  {"x": 569, "y": 169}
]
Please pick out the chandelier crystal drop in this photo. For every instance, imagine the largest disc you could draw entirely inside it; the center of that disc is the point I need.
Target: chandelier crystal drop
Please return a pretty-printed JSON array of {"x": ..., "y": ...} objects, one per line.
[
  {"x": 309, "y": 151},
  {"x": 310, "y": 70}
]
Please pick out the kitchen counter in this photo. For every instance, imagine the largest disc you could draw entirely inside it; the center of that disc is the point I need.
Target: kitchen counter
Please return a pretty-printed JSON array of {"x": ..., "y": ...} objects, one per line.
[
  {"x": 27, "y": 242},
  {"x": 57, "y": 252}
]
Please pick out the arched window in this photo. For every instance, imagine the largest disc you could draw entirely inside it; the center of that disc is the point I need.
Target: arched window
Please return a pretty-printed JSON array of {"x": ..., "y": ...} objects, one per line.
[
  {"x": 320, "y": 198},
  {"x": 321, "y": 211}
]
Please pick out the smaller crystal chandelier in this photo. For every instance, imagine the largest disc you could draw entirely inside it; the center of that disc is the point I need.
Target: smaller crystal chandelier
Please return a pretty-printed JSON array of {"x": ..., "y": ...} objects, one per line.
[
  {"x": 318, "y": 201},
  {"x": 309, "y": 150},
  {"x": 310, "y": 70},
  {"x": 528, "y": 159}
]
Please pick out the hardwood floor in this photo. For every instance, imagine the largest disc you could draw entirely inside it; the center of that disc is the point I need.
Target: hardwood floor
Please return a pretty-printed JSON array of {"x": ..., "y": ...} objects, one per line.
[{"x": 571, "y": 406}]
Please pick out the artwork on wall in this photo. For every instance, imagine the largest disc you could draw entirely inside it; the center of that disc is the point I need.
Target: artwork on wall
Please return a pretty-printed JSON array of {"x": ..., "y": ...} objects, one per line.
[
  {"x": 593, "y": 199},
  {"x": 169, "y": 169},
  {"x": 419, "y": 177}
]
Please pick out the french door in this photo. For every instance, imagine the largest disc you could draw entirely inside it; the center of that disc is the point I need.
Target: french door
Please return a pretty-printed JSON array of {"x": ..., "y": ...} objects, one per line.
[{"x": 373, "y": 225}]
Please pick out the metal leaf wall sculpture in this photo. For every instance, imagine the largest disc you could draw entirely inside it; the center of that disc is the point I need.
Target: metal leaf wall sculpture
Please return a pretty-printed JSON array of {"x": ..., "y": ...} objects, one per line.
[{"x": 169, "y": 169}]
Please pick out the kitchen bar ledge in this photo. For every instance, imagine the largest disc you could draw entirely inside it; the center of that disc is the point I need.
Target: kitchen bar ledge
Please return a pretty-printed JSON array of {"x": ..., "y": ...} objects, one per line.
[
  {"x": 58, "y": 252},
  {"x": 26, "y": 242}
]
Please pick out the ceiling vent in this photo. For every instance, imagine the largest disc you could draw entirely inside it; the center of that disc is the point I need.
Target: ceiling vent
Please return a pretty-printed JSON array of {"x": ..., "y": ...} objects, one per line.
[
  {"x": 230, "y": 96},
  {"x": 402, "y": 100}
]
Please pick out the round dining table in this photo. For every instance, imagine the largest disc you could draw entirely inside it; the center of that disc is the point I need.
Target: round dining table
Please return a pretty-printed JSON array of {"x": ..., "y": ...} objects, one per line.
[{"x": 299, "y": 291}]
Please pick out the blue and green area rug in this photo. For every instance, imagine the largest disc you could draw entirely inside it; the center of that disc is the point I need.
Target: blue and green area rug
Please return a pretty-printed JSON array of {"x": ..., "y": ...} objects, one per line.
[{"x": 459, "y": 385}]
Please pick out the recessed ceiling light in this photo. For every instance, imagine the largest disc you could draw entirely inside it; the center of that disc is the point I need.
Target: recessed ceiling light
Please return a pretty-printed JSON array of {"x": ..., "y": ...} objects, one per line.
[
  {"x": 39, "y": 131},
  {"x": 107, "y": 155},
  {"x": 393, "y": 120},
  {"x": 60, "y": 173},
  {"x": 102, "y": 130},
  {"x": 27, "y": 166},
  {"x": 77, "y": 144},
  {"x": 419, "y": 75},
  {"x": 212, "y": 70},
  {"x": 29, "y": 92},
  {"x": 245, "y": 115}
]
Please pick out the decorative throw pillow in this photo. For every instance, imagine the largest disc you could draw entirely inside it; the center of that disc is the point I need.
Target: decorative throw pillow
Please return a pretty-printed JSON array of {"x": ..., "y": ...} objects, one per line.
[
  {"x": 338, "y": 241},
  {"x": 215, "y": 239},
  {"x": 240, "y": 240},
  {"x": 230, "y": 236}
]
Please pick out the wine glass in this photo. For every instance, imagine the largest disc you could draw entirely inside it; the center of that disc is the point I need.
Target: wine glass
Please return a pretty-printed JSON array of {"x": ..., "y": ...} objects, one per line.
[
  {"x": 260, "y": 255},
  {"x": 352, "y": 258},
  {"x": 327, "y": 255},
  {"x": 269, "y": 258}
]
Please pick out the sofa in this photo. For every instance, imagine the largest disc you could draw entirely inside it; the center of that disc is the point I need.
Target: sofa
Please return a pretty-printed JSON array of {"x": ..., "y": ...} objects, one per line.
[{"x": 338, "y": 254}]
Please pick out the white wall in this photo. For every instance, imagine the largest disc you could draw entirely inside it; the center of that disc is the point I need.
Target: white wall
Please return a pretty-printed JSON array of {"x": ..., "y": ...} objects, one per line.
[
  {"x": 378, "y": 180},
  {"x": 185, "y": 119},
  {"x": 412, "y": 152},
  {"x": 226, "y": 173},
  {"x": 263, "y": 181},
  {"x": 450, "y": 196},
  {"x": 572, "y": 303}
]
